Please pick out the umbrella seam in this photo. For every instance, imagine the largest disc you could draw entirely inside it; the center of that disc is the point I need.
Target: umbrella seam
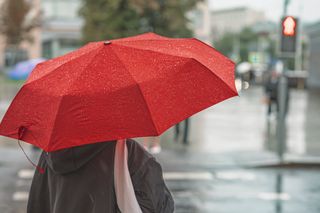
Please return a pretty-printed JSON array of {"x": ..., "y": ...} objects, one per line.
[
  {"x": 226, "y": 58},
  {"x": 190, "y": 58},
  {"x": 197, "y": 40},
  {"x": 54, "y": 122},
  {"x": 134, "y": 37},
  {"x": 157, "y": 39},
  {"x": 118, "y": 41},
  {"x": 62, "y": 97},
  {"x": 139, "y": 88},
  {"x": 136, "y": 48},
  {"x": 232, "y": 94},
  {"x": 193, "y": 59},
  {"x": 89, "y": 64},
  {"x": 154, "y": 51},
  {"x": 41, "y": 78}
]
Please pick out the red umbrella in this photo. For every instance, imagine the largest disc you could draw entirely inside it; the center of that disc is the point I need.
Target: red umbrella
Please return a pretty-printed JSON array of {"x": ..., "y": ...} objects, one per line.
[{"x": 123, "y": 88}]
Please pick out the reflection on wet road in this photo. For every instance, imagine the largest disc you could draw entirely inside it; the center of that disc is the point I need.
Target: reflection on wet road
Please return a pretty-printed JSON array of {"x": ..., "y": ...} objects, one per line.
[{"x": 241, "y": 124}]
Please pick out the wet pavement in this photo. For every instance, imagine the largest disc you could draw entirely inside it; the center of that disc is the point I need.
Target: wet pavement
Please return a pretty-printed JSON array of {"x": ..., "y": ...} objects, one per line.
[
  {"x": 217, "y": 171},
  {"x": 258, "y": 191},
  {"x": 231, "y": 147}
]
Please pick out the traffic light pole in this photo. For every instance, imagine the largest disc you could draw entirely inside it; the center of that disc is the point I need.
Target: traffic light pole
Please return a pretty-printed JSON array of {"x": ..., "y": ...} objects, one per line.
[
  {"x": 281, "y": 118},
  {"x": 285, "y": 8},
  {"x": 282, "y": 102}
]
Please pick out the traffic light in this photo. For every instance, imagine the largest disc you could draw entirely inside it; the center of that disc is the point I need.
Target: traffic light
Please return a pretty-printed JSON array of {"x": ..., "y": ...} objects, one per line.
[{"x": 289, "y": 33}]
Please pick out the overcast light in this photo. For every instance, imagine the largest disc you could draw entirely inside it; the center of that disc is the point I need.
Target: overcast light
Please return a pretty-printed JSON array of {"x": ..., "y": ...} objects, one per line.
[{"x": 307, "y": 10}]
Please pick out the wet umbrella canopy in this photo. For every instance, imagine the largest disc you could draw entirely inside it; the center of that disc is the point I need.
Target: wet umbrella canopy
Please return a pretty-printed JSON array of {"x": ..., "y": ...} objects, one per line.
[{"x": 131, "y": 87}]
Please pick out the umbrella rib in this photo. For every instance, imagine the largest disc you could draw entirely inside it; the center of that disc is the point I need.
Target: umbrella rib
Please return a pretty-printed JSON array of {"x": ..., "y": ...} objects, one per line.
[
  {"x": 119, "y": 41},
  {"x": 154, "y": 51},
  {"x": 139, "y": 88},
  {"x": 54, "y": 123},
  {"x": 191, "y": 58},
  {"x": 89, "y": 64},
  {"x": 41, "y": 78},
  {"x": 62, "y": 97},
  {"x": 214, "y": 75}
]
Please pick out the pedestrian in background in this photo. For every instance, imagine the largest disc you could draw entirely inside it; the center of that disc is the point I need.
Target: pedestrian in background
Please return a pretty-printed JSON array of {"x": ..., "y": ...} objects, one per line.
[
  {"x": 185, "y": 132},
  {"x": 272, "y": 94},
  {"x": 271, "y": 91}
]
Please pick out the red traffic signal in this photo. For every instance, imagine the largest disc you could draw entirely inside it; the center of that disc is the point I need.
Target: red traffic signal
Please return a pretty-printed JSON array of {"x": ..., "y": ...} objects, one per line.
[
  {"x": 289, "y": 35},
  {"x": 289, "y": 25}
]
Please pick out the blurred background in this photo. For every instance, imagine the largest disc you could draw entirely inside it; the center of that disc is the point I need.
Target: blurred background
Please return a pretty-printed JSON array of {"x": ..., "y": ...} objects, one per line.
[{"x": 259, "y": 152}]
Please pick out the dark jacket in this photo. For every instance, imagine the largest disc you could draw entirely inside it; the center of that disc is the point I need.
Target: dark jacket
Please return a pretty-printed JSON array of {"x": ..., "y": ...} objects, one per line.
[{"x": 81, "y": 180}]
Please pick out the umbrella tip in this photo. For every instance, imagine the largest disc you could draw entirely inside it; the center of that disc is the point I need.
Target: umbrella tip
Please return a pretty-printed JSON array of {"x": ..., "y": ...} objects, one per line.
[
  {"x": 107, "y": 42},
  {"x": 21, "y": 132}
]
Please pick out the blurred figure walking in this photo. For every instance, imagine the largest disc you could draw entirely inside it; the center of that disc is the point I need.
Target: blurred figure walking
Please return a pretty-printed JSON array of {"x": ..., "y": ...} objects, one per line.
[
  {"x": 272, "y": 94},
  {"x": 185, "y": 132},
  {"x": 271, "y": 91}
]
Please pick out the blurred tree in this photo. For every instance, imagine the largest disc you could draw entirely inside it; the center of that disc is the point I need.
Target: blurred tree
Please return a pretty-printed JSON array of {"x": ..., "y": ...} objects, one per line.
[
  {"x": 108, "y": 19},
  {"x": 166, "y": 17},
  {"x": 226, "y": 43},
  {"x": 15, "y": 22},
  {"x": 246, "y": 39}
]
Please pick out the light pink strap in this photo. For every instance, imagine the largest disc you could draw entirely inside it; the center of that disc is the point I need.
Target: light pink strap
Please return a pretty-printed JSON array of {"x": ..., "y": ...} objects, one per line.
[{"x": 126, "y": 198}]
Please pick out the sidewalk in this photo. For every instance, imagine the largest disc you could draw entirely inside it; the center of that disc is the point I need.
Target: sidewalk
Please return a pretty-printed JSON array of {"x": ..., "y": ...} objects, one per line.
[
  {"x": 237, "y": 133},
  {"x": 226, "y": 167}
]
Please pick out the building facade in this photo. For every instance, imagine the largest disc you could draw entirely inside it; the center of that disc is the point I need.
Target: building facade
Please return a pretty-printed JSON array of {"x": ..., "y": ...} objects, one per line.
[
  {"x": 233, "y": 20},
  {"x": 200, "y": 22},
  {"x": 61, "y": 28},
  {"x": 28, "y": 49},
  {"x": 314, "y": 56}
]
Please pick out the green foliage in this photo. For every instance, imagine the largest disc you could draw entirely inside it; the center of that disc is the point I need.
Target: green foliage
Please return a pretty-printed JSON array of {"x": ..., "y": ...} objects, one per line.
[
  {"x": 226, "y": 44},
  {"x": 168, "y": 17},
  {"x": 246, "y": 41},
  {"x": 108, "y": 19}
]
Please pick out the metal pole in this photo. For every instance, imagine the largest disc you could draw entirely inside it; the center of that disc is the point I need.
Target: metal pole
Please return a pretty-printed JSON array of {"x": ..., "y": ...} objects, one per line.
[
  {"x": 282, "y": 102},
  {"x": 285, "y": 7},
  {"x": 281, "y": 120},
  {"x": 298, "y": 56}
]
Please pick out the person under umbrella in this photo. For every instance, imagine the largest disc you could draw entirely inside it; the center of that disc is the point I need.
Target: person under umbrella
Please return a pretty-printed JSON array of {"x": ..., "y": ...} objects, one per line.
[
  {"x": 81, "y": 179},
  {"x": 80, "y": 109}
]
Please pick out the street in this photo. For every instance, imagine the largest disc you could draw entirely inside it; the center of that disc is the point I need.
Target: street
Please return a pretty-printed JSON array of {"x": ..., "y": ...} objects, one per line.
[{"x": 221, "y": 170}]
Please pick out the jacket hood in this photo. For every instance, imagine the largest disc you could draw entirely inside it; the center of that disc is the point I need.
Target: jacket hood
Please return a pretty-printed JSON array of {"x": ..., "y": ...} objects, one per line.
[{"x": 71, "y": 159}]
